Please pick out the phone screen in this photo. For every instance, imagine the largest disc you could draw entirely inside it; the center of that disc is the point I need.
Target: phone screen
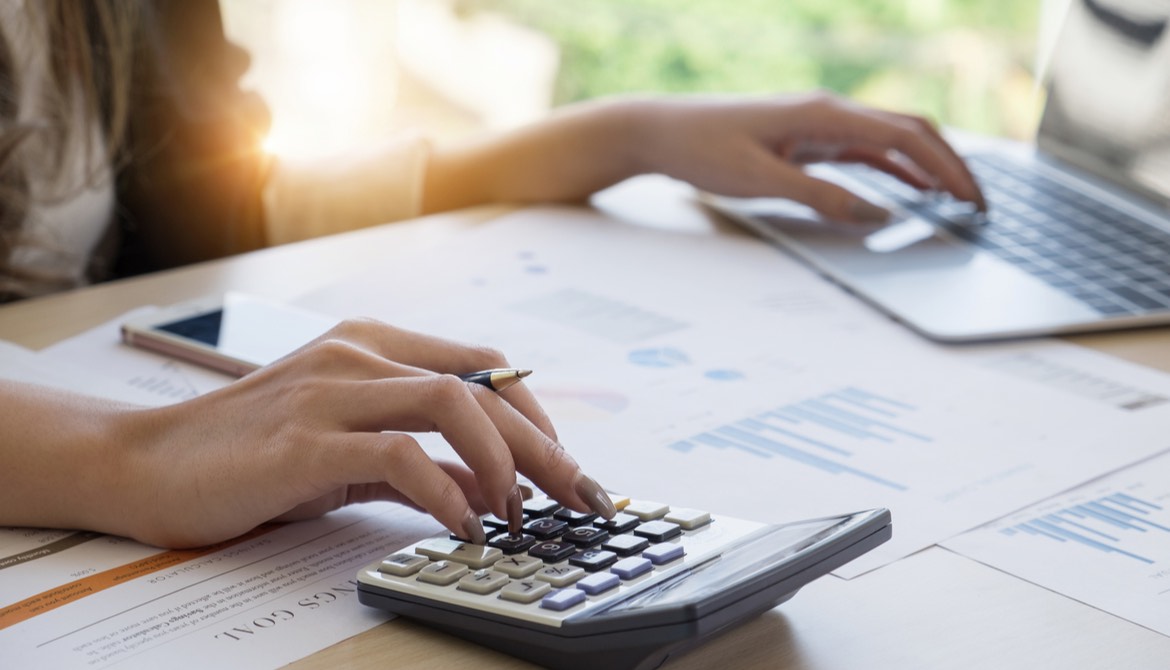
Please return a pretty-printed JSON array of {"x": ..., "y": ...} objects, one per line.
[{"x": 250, "y": 329}]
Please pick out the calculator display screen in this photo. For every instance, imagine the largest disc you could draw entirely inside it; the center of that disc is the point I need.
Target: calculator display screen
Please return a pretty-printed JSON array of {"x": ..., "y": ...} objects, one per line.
[{"x": 756, "y": 554}]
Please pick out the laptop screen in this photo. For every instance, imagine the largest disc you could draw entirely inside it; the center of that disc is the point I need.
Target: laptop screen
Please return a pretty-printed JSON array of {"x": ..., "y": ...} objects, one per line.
[{"x": 1108, "y": 106}]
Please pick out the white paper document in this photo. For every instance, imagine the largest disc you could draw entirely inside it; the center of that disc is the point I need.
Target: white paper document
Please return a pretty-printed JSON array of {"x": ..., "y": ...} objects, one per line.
[
  {"x": 1104, "y": 544},
  {"x": 85, "y": 600},
  {"x": 718, "y": 373}
]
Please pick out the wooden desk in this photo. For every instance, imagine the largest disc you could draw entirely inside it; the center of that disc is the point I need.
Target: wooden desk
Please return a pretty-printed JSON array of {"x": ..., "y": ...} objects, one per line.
[{"x": 934, "y": 609}]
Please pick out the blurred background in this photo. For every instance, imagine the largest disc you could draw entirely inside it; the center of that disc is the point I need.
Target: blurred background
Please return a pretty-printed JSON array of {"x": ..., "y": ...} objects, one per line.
[{"x": 339, "y": 72}]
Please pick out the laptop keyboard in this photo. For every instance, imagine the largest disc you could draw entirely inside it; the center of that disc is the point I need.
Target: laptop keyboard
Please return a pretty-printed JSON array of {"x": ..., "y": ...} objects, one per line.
[{"x": 1104, "y": 257}]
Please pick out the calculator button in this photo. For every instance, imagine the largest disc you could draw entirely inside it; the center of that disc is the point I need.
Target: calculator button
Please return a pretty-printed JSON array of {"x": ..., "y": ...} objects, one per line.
[
  {"x": 518, "y": 566},
  {"x": 488, "y": 532},
  {"x": 512, "y": 544},
  {"x": 620, "y": 523},
  {"x": 598, "y": 582},
  {"x": 545, "y": 528},
  {"x": 525, "y": 590},
  {"x": 631, "y": 567},
  {"x": 402, "y": 565},
  {"x": 552, "y": 552},
  {"x": 585, "y": 536},
  {"x": 626, "y": 545},
  {"x": 573, "y": 518},
  {"x": 658, "y": 531},
  {"x": 471, "y": 555},
  {"x": 538, "y": 507},
  {"x": 594, "y": 560},
  {"x": 663, "y": 553},
  {"x": 482, "y": 582},
  {"x": 493, "y": 521},
  {"x": 442, "y": 573},
  {"x": 560, "y": 575},
  {"x": 688, "y": 519},
  {"x": 646, "y": 510},
  {"x": 563, "y": 599}
]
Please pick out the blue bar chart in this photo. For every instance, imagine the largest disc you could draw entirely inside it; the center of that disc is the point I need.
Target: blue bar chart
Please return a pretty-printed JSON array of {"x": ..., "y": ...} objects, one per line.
[
  {"x": 824, "y": 432},
  {"x": 1106, "y": 544},
  {"x": 1103, "y": 524}
]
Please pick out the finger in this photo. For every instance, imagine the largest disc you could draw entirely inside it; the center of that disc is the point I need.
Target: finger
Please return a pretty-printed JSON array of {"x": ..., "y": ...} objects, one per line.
[
  {"x": 419, "y": 353},
  {"x": 932, "y": 129},
  {"x": 545, "y": 461},
  {"x": 436, "y": 403},
  {"x": 398, "y": 461},
  {"x": 882, "y": 160},
  {"x": 916, "y": 140},
  {"x": 831, "y": 200}
]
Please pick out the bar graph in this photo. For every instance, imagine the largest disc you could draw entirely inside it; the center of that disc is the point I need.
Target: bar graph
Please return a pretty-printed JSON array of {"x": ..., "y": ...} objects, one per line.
[
  {"x": 1103, "y": 523},
  {"x": 1106, "y": 544},
  {"x": 823, "y": 432}
]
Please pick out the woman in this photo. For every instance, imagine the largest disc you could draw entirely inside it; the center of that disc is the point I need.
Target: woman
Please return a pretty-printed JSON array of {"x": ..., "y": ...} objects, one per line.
[{"x": 128, "y": 145}]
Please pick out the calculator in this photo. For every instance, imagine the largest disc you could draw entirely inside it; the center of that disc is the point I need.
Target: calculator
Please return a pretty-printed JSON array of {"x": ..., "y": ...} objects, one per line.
[{"x": 578, "y": 591}]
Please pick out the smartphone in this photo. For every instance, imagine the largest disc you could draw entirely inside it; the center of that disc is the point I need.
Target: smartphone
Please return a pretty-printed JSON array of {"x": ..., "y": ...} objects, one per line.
[{"x": 236, "y": 333}]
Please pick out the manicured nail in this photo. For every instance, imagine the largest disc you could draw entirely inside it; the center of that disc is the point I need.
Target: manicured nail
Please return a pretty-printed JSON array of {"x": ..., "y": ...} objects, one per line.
[
  {"x": 473, "y": 529},
  {"x": 595, "y": 496},
  {"x": 526, "y": 492},
  {"x": 515, "y": 511},
  {"x": 867, "y": 212}
]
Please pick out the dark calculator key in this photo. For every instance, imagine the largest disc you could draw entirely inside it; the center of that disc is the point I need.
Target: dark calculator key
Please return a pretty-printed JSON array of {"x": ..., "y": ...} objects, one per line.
[
  {"x": 545, "y": 528},
  {"x": 552, "y": 552},
  {"x": 574, "y": 518},
  {"x": 538, "y": 507},
  {"x": 620, "y": 523},
  {"x": 511, "y": 544},
  {"x": 585, "y": 536},
  {"x": 498, "y": 523},
  {"x": 626, "y": 545},
  {"x": 594, "y": 560},
  {"x": 658, "y": 531}
]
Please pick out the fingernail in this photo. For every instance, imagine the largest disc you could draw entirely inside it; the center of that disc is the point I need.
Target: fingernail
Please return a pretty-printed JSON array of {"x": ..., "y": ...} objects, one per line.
[
  {"x": 867, "y": 212},
  {"x": 473, "y": 529},
  {"x": 595, "y": 496},
  {"x": 526, "y": 492},
  {"x": 515, "y": 511}
]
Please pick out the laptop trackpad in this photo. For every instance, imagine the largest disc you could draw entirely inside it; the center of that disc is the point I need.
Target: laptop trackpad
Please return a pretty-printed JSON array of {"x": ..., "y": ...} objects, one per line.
[{"x": 944, "y": 287}]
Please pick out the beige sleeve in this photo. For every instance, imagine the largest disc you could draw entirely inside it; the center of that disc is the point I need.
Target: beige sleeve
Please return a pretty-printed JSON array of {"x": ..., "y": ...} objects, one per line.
[{"x": 304, "y": 199}]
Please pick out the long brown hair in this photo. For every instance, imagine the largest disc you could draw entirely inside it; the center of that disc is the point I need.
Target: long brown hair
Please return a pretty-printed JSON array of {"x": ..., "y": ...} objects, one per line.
[{"x": 91, "y": 46}]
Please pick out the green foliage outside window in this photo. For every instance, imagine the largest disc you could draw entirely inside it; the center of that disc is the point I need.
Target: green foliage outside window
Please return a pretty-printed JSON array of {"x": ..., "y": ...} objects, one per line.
[{"x": 963, "y": 62}]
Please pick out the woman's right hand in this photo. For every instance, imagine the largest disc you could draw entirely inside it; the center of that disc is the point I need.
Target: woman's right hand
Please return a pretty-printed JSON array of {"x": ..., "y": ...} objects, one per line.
[{"x": 327, "y": 426}]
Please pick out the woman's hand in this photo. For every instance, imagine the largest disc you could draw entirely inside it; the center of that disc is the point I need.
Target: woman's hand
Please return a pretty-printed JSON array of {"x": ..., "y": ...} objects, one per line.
[
  {"x": 308, "y": 434},
  {"x": 737, "y": 146},
  {"x": 757, "y": 147}
]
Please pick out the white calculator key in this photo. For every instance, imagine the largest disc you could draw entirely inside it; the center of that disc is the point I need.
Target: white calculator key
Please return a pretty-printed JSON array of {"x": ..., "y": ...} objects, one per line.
[
  {"x": 663, "y": 553},
  {"x": 482, "y": 581},
  {"x": 518, "y": 566},
  {"x": 646, "y": 510},
  {"x": 402, "y": 565},
  {"x": 442, "y": 573},
  {"x": 560, "y": 575},
  {"x": 598, "y": 582},
  {"x": 631, "y": 567},
  {"x": 563, "y": 599},
  {"x": 471, "y": 555},
  {"x": 689, "y": 519},
  {"x": 525, "y": 590}
]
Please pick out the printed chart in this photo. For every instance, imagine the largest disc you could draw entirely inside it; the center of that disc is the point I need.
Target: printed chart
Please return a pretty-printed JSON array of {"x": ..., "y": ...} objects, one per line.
[{"x": 1104, "y": 544}]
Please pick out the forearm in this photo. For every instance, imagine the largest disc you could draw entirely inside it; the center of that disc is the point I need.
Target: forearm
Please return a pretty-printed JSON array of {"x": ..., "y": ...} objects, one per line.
[
  {"x": 60, "y": 458},
  {"x": 574, "y": 153}
]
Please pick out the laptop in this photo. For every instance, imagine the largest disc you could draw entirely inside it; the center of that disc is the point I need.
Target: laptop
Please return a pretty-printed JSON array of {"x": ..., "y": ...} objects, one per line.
[{"x": 1078, "y": 235}]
